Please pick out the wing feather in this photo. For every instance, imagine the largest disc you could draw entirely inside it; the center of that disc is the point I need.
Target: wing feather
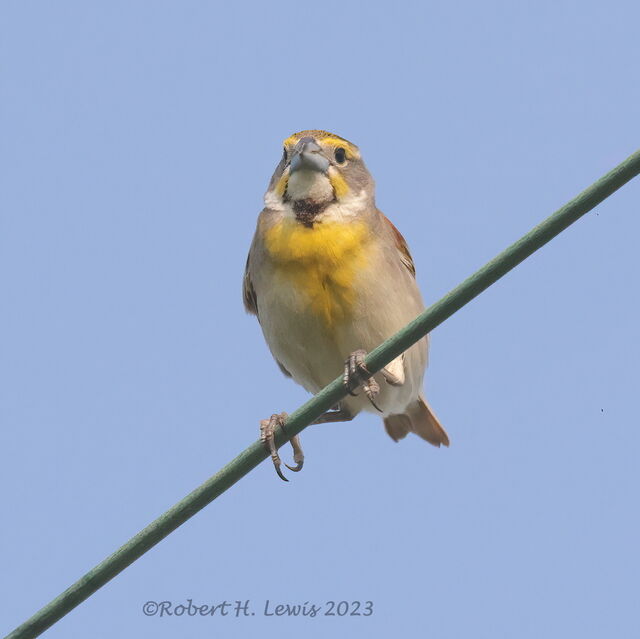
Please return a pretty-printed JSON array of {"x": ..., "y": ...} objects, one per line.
[
  {"x": 251, "y": 304},
  {"x": 401, "y": 245},
  {"x": 248, "y": 292}
]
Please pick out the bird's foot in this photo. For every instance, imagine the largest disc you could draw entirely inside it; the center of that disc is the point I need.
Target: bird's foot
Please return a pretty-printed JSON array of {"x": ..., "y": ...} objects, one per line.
[
  {"x": 356, "y": 374},
  {"x": 268, "y": 438}
]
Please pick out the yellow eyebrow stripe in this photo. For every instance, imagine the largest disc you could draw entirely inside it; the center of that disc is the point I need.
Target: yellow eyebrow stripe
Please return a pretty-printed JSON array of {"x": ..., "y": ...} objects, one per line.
[
  {"x": 324, "y": 137},
  {"x": 339, "y": 142}
]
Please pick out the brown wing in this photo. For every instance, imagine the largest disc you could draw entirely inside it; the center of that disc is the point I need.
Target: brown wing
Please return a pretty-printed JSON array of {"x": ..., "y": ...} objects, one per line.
[
  {"x": 401, "y": 245},
  {"x": 285, "y": 372},
  {"x": 251, "y": 304},
  {"x": 248, "y": 292}
]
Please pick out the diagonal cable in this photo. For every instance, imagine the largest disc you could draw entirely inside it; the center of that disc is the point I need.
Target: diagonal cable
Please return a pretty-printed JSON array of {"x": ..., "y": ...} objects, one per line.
[{"x": 249, "y": 458}]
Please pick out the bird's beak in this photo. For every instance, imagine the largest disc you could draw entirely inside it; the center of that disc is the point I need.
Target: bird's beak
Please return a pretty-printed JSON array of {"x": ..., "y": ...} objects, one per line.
[{"x": 307, "y": 155}]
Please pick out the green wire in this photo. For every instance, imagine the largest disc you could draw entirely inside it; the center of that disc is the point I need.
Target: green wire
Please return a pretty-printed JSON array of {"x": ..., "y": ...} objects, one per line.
[{"x": 328, "y": 397}]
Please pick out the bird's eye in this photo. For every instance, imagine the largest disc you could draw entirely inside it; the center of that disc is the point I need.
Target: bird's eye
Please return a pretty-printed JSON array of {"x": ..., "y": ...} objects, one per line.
[
  {"x": 340, "y": 155},
  {"x": 284, "y": 155}
]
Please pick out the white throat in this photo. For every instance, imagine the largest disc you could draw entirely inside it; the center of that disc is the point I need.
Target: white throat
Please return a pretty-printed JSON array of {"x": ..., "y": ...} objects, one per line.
[{"x": 309, "y": 185}]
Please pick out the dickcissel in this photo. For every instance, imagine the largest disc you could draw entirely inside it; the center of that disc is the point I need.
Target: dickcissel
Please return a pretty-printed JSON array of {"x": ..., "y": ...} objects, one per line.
[{"x": 329, "y": 277}]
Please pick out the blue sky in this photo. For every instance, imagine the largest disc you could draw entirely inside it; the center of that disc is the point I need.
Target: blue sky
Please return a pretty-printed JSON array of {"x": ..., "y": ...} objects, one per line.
[{"x": 137, "y": 141}]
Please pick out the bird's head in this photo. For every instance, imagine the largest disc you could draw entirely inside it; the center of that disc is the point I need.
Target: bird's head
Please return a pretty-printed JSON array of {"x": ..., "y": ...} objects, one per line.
[{"x": 318, "y": 169}]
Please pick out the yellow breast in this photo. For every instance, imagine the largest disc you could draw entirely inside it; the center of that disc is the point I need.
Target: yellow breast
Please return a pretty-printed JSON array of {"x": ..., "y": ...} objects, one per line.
[{"x": 321, "y": 263}]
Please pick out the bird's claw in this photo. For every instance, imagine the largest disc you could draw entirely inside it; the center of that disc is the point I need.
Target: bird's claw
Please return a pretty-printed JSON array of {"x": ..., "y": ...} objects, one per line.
[
  {"x": 267, "y": 437},
  {"x": 298, "y": 455},
  {"x": 356, "y": 374}
]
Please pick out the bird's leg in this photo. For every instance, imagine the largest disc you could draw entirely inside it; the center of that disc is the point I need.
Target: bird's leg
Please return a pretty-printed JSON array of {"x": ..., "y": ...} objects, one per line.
[
  {"x": 298, "y": 455},
  {"x": 267, "y": 437},
  {"x": 356, "y": 374}
]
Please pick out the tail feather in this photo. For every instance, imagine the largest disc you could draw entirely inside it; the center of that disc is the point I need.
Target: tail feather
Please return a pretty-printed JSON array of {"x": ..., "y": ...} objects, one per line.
[
  {"x": 418, "y": 419},
  {"x": 397, "y": 426}
]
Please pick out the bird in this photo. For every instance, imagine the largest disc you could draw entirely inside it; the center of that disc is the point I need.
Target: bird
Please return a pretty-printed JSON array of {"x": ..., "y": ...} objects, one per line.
[{"x": 329, "y": 277}]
